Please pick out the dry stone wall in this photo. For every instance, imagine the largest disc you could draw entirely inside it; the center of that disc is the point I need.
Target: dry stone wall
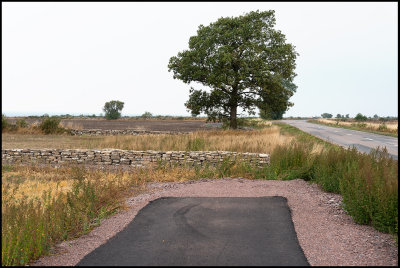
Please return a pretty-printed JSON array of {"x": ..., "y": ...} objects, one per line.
[
  {"x": 125, "y": 157},
  {"x": 110, "y": 132}
]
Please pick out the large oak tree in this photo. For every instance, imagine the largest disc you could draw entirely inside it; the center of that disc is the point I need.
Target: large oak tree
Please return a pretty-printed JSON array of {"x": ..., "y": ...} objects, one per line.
[{"x": 243, "y": 60}]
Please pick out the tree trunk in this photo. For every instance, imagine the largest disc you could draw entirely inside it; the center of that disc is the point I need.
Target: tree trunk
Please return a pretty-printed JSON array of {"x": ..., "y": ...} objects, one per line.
[
  {"x": 233, "y": 123},
  {"x": 233, "y": 105}
]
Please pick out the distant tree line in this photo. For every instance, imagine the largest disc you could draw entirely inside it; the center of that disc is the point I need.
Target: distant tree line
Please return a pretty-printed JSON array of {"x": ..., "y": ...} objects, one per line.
[{"x": 360, "y": 117}]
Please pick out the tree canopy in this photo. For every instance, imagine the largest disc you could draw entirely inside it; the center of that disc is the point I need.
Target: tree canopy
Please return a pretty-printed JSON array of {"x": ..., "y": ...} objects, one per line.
[
  {"x": 360, "y": 117},
  {"x": 112, "y": 109},
  {"x": 244, "y": 61},
  {"x": 326, "y": 115}
]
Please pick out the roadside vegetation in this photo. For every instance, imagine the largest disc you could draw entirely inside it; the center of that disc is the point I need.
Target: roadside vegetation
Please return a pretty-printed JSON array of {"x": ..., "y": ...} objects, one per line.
[
  {"x": 376, "y": 124},
  {"x": 42, "y": 206},
  {"x": 389, "y": 128}
]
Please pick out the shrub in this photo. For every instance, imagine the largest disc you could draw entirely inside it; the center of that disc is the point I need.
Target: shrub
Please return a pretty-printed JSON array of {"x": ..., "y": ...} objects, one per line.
[
  {"x": 147, "y": 115},
  {"x": 21, "y": 123},
  {"x": 50, "y": 125},
  {"x": 360, "y": 117},
  {"x": 4, "y": 123},
  {"x": 382, "y": 127}
]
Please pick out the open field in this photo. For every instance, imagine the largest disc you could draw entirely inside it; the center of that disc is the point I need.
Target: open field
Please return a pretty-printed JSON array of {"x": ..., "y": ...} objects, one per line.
[
  {"x": 384, "y": 128},
  {"x": 42, "y": 206},
  {"x": 137, "y": 124},
  {"x": 256, "y": 141}
]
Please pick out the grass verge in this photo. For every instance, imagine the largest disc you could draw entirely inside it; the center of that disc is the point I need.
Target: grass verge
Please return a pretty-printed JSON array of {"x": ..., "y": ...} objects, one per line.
[
  {"x": 355, "y": 127},
  {"x": 367, "y": 182}
]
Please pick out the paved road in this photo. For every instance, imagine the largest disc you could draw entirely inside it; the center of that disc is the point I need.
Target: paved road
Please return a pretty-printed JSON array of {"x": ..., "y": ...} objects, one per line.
[
  {"x": 205, "y": 231},
  {"x": 363, "y": 141}
]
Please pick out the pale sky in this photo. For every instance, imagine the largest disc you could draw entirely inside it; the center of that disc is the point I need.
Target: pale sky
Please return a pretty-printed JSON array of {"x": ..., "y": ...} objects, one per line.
[{"x": 60, "y": 58}]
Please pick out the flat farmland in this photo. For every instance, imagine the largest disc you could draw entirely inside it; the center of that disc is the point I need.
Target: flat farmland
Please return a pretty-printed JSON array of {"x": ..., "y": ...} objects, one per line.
[
  {"x": 136, "y": 124},
  {"x": 150, "y": 125}
]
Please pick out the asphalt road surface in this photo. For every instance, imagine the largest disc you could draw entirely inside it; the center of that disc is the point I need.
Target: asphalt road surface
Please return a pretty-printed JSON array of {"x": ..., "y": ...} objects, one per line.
[
  {"x": 205, "y": 231},
  {"x": 363, "y": 141}
]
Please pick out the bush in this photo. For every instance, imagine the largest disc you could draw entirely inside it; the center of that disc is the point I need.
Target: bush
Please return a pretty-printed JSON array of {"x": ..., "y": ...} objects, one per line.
[
  {"x": 21, "y": 123},
  {"x": 360, "y": 117},
  {"x": 147, "y": 115},
  {"x": 382, "y": 127},
  {"x": 4, "y": 123},
  {"x": 50, "y": 125}
]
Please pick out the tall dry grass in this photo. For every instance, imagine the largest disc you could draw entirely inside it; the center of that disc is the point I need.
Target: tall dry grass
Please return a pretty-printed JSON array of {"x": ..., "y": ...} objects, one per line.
[
  {"x": 32, "y": 222},
  {"x": 389, "y": 127},
  {"x": 71, "y": 125},
  {"x": 256, "y": 141}
]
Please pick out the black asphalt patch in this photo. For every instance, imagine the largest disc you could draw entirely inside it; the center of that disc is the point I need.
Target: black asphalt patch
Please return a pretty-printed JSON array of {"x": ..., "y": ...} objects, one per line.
[{"x": 205, "y": 231}]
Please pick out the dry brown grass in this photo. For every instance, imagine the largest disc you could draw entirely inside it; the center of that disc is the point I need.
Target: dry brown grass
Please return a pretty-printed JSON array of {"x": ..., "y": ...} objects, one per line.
[
  {"x": 264, "y": 140},
  {"x": 257, "y": 141},
  {"x": 392, "y": 126},
  {"x": 28, "y": 130},
  {"x": 30, "y": 181},
  {"x": 42, "y": 205},
  {"x": 39, "y": 141},
  {"x": 71, "y": 125}
]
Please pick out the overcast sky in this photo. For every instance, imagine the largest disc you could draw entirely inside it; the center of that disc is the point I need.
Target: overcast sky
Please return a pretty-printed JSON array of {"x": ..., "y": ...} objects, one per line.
[{"x": 60, "y": 58}]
